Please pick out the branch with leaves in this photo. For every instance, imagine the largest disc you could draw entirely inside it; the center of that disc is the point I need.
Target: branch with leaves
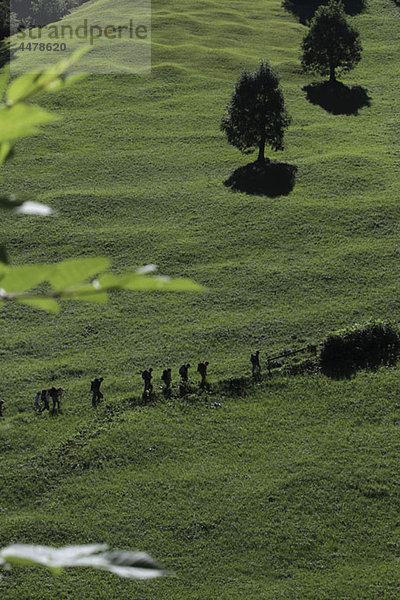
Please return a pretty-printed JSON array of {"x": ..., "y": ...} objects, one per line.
[{"x": 43, "y": 285}]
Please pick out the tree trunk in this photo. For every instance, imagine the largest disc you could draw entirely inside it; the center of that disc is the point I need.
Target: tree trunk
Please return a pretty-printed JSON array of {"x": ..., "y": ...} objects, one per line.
[
  {"x": 261, "y": 152},
  {"x": 332, "y": 77}
]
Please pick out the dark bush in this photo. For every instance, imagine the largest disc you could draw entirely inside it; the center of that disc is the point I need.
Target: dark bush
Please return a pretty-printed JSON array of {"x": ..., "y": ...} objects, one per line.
[{"x": 365, "y": 346}]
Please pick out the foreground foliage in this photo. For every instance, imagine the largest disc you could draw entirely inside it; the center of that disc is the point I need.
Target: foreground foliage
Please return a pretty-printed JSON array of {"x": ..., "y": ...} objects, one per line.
[
  {"x": 132, "y": 565},
  {"x": 67, "y": 279}
]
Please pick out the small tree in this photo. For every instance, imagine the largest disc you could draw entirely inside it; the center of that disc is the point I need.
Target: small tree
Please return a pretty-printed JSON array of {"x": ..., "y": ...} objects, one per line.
[
  {"x": 256, "y": 113},
  {"x": 331, "y": 42}
]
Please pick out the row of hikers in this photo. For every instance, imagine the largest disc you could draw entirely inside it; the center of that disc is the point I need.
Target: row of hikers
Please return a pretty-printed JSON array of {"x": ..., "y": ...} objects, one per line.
[
  {"x": 166, "y": 378},
  {"x": 42, "y": 398}
]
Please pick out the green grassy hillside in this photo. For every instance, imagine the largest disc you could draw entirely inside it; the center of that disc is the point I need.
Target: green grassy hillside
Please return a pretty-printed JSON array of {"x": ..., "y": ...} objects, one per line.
[{"x": 291, "y": 492}]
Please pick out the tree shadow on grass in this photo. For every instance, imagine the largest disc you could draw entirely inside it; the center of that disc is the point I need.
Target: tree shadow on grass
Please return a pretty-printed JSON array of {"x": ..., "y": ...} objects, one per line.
[
  {"x": 271, "y": 179},
  {"x": 337, "y": 98}
]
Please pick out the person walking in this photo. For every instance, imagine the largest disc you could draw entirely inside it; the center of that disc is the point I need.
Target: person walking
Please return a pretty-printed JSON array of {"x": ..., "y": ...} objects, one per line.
[
  {"x": 36, "y": 406},
  {"x": 147, "y": 377},
  {"x": 255, "y": 365},
  {"x": 45, "y": 396},
  {"x": 202, "y": 369},
  {"x": 184, "y": 372},
  {"x": 95, "y": 389},
  {"x": 166, "y": 377}
]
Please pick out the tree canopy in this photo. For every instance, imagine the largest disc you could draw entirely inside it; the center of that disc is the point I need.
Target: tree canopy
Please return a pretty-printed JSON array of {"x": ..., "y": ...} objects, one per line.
[
  {"x": 256, "y": 113},
  {"x": 306, "y": 9},
  {"x": 332, "y": 42}
]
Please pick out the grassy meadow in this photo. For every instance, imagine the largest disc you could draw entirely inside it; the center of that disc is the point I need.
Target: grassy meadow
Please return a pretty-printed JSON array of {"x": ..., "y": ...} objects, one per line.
[{"x": 292, "y": 491}]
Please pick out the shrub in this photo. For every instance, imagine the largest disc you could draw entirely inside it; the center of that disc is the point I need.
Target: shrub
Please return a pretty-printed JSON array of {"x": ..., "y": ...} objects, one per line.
[{"x": 365, "y": 346}]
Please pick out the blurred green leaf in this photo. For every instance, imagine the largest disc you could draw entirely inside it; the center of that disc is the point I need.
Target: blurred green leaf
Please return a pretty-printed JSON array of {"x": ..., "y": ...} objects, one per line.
[
  {"x": 25, "y": 207},
  {"x": 51, "y": 79},
  {"x": 6, "y": 151},
  {"x": 4, "y": 77},
  {"x": 72, "y": 272},
  {"x": 21, "y": 120},
  {"x": 48, "y": 304},
  {"x": 137, "y": 281},
  {"x": 23, "y": 87},
  {"x": 24, "y": 277}
]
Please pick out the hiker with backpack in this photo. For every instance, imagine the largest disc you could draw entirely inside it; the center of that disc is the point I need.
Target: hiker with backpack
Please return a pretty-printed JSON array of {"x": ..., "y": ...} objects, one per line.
[
  {"x": 147, "y": 377},
  {"x": 44, "y": 397},
  {"x": 166, "y": 377},
  {"x": 184, "y": 372},
  {"x": 255, "y": 365},
  {"x": 54, "y": 396},
  {"x": 202, "y": 369},
  {"x": 95, "y": 389}
]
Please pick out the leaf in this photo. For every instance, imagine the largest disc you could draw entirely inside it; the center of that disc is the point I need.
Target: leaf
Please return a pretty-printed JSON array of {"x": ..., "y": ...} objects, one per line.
[
  {"x": 137, "y": 281},
  {"x": 34, "y": 208},
  {"x": 51, "y": 79},
  {"x": 4, "y": 77},
  {"x": 48, "y": 304},
  {"x": 24, "y": 277},
  {"x": 133, "y": 565},
  {"x": 23, "y": 87},
  {"x": 21, "y": 120},
  {"x": 6, "y": 151},
  {"x": 25, "y": 207},
  {"x": 75, "y": 271}
]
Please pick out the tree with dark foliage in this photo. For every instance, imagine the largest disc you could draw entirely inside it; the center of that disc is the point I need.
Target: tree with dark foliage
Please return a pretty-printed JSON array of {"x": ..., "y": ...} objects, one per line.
[
  {"x": 306, "y": 9},
  {"x": 331, "y": 43},
  {"x": 256, "y": 113}
]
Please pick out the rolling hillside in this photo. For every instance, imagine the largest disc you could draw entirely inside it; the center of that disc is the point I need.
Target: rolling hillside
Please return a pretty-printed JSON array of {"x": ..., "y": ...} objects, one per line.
[{"x": 292, "y": 491}]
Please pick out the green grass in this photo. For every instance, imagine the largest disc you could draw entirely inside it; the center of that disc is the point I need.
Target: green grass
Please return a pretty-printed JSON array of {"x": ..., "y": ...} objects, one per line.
[{"x": 291, "y": 492}]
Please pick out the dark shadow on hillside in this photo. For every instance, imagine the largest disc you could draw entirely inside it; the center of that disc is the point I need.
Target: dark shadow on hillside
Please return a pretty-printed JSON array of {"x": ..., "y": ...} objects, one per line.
[
  {"x": 337, "y": 98},
  {"x": 304, "y": 10},
  {"x": 272, "y": 179}
]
